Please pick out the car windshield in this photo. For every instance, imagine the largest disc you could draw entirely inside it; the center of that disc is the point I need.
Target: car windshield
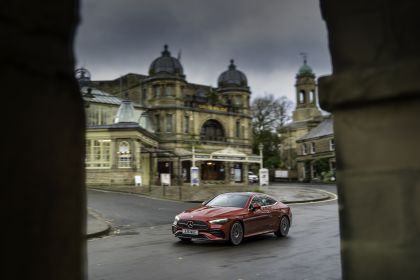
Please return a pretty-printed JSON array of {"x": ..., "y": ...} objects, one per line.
[{"x": 229, "y": 200}]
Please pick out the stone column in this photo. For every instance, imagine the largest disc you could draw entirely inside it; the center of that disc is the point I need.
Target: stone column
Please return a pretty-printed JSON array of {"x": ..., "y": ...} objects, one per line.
[
  {"x": 374, "y": 93},
  {"x": 43, "y": 126},
  {"x": 245, "y": 169}
]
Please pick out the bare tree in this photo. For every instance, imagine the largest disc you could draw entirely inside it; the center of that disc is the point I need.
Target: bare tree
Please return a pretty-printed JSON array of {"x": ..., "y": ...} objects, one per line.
[{"x": 270, "y": 113}]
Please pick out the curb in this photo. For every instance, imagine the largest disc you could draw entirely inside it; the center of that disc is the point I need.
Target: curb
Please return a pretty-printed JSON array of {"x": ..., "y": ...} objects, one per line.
[
  {"x": 330, "y": 196},
  {"x": 99, "y": 233}
]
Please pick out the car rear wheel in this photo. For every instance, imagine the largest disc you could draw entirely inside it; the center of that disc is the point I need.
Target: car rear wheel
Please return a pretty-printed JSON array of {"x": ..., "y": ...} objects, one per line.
[
  {"x": 284, "y": 226},
  {"x": 236, "y": 233}
]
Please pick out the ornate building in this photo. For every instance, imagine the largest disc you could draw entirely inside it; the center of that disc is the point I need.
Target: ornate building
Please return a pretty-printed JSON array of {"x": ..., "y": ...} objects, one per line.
[
  {"x": 308, "y": 129},
  {"x": 166, "y": 125}
]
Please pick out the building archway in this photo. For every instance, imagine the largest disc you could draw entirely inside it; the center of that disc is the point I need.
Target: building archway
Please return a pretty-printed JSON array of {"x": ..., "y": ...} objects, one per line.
[{"x": 212, "y": 130}]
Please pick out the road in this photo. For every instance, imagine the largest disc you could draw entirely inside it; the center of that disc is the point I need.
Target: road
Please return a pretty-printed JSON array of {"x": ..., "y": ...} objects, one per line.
[{"x": 142, "y": 246}]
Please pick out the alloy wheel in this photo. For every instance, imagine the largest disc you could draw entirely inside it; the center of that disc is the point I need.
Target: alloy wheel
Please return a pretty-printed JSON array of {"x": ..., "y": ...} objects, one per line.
[{"x": 236, "y": 233}]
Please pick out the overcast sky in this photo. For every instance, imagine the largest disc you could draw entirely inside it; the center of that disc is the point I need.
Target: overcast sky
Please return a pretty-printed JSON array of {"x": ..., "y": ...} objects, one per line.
[{"x": 264, "y": 37}]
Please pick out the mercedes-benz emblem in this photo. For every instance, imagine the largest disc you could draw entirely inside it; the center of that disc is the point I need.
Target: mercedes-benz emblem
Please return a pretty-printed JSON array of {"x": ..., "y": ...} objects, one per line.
[{"x": 190, "y": 224}]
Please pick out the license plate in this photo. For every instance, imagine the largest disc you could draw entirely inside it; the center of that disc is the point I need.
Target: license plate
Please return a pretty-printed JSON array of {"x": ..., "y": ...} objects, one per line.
[{"x": 189, "y": 231}]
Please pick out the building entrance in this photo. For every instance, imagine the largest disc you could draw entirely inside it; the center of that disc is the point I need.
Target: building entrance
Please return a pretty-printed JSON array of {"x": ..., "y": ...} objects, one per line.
[{"x": 213, "y": 171}]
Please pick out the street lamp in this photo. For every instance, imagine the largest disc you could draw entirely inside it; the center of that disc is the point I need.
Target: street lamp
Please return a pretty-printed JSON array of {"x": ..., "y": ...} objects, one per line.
[
  {"x": 261, "y": 147},
  {"x": 193, "y": 155}
]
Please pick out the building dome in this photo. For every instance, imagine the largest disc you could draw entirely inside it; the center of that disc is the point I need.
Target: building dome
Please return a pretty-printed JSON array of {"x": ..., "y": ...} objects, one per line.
[
  {"x": 166, "y": 64},
  {"x": 232, "y": 77},
  {"x": 305, "y": 69},
  {"x": 82, "y": 76}
]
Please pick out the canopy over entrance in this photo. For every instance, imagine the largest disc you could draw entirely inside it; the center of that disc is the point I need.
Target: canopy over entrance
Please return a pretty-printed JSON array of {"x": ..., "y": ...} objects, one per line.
[{"x": 228, "y": 154}]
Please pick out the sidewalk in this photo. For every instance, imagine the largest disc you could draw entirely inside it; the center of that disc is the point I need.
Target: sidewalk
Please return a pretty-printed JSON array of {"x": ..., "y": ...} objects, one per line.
[
  {"x": 96, "y": 225},
  {"x": 286, "y": 193}
]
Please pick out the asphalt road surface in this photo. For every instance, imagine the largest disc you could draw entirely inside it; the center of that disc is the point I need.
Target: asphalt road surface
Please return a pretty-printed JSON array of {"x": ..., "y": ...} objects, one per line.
[{"x": 142, "y": 246}]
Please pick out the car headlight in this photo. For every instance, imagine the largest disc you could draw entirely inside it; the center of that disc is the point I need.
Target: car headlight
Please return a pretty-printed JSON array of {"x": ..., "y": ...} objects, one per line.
[
  {"x": 176, "y": 220},
  {"x": 219, "y": 221}
]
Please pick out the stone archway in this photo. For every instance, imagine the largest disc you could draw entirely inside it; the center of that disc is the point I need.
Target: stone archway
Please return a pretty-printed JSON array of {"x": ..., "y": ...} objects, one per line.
[{"x": 212, "y": 130}]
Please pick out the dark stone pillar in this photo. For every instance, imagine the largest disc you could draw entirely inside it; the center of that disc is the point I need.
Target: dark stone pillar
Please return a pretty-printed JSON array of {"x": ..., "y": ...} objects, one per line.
[
  {"x": 374, "y": 93},
  {"x": 43, "y": 195}
]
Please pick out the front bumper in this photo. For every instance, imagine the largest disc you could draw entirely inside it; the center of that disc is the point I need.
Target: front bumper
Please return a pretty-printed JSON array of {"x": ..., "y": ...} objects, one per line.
[{"x": 211, "y": 232}]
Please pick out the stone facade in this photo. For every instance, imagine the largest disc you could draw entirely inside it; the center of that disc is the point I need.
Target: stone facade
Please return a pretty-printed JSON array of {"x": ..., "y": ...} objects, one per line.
[
  {"x": 316, "y": 153},
  {"x": 374, "y": 93},
  {"x": 306, "y": 116},
  {"x": 182, "y": 117}
]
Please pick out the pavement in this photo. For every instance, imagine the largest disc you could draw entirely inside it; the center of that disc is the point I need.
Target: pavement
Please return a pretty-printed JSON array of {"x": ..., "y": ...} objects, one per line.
[{"x": 287, "y": 193}]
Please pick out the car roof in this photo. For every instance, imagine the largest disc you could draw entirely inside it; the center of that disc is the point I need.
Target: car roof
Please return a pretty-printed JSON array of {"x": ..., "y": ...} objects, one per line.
[{"x": 246, "y": 193}]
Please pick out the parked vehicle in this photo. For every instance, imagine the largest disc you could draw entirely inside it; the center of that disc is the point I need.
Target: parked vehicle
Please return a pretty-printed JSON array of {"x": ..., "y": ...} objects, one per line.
[
  {"x": 232, "y": 217},
  {"x": 252, "y": 178}
]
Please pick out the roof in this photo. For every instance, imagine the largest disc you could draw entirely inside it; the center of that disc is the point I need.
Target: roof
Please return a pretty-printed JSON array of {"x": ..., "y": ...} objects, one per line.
[
  {"x": 305, "y": 69},
  {"x": 325, "y": 128},
  {"x": 166, "y": 64},
  {"x": 297, "y": 124},
  {"x": 98, "y": 96},
  {"x": 124, "y": 126},
  {"x": 232, "y": 77}
]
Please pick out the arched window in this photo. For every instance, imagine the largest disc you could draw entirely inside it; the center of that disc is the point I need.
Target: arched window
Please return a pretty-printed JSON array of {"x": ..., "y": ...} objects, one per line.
[
  {"x": 124, "y": 155},
  {"x": 312, "y": 96},
  {"x": 212, "y": 130},
  {"x": 301, "y": 97}
]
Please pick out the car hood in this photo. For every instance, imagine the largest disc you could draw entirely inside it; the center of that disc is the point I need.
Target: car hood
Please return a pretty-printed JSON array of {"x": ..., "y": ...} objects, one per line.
[{"x": 205, "y": 212}]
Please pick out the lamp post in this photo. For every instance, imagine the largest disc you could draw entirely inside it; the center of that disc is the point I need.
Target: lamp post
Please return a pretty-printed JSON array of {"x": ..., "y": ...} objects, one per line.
[
  {"x": 193, "y": 156},
  {"x": 261, "y": 147}
]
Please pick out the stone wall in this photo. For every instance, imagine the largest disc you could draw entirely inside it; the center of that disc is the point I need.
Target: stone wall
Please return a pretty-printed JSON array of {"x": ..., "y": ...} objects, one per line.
[
  {"x": 374, "y": 93},
  {"x": 44, "y": 198}
]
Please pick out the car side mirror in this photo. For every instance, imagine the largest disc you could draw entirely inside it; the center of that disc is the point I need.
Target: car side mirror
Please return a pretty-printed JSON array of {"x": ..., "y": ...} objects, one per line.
[{"x": 256, "y": 206}]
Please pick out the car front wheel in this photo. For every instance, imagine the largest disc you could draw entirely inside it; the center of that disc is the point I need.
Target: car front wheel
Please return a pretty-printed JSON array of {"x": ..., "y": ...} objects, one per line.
[
  {"x": 236, "y": 233},
  {"x": 284, "y": 226}
]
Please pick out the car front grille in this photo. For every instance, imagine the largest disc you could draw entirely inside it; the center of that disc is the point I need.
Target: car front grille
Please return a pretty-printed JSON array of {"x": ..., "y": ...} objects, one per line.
[{"x": 192, "y": 224}]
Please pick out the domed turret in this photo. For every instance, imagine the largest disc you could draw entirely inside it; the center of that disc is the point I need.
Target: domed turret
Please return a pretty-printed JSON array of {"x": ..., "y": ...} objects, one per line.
[
  {"x": 305, "y": 69},
  {"x": 232, "y": 78},
  {"x": 82, "y": 76},
  {"x": 166, "y": 65}
]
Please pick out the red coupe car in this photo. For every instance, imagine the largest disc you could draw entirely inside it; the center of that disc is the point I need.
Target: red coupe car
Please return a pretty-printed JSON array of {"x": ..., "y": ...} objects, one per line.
[{"x": 233, "y": 216}]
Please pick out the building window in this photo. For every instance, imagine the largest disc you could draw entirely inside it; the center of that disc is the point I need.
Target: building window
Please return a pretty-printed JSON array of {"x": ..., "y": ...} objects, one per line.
[
  {"x": 169, "y": 90},
  {"x": 212, "y": 130},
  {"x": 186, "y": 124},
  {"x": 143, "y": 95},
  {"x": 301, "y": 97},
  {"x": 238, "y": 129},
  {"x": 332, "y": 165},
  {"x": 313, "y": 148},
  {"x": 304, "y": 149},
  {"x": 169, "y": 121},
  {"x": 332, "y": 145},
  {"x": 98, "y": 115},
  {"x": 312, "y": 96},
  {"x": 98, "y": 153},
  {"x": 157, "y": 118},
  {"x": 124, "y": 154},
  {"x": 156, "y": 91}
]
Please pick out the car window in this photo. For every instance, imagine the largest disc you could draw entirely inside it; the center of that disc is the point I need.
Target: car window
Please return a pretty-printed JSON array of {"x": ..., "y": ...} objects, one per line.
[
  {"x": 268, "y": 201},
  {"x": 229, "y": 200},
  {"x": 256, "y": 199}
]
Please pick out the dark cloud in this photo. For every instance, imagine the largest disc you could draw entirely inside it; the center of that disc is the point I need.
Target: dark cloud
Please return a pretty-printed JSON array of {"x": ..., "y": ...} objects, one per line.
[{"x": 264, "y": 37}]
